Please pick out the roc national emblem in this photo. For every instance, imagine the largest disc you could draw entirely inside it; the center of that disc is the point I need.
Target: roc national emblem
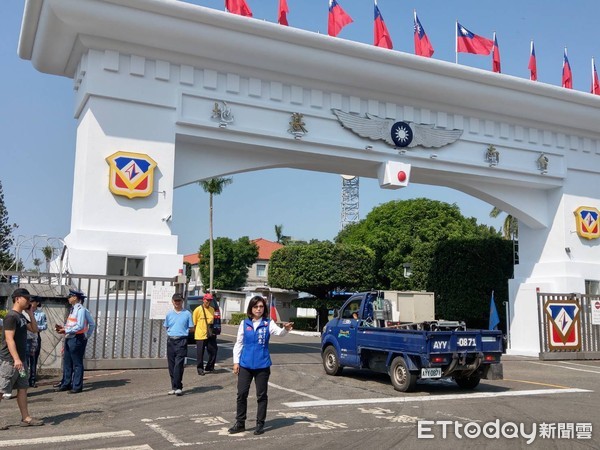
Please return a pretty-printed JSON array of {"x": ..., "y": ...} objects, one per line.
[
  {"x": 564, "y": 329},
  {"x": 131, "y": 174},
  {"x": 588, "y": 222}
]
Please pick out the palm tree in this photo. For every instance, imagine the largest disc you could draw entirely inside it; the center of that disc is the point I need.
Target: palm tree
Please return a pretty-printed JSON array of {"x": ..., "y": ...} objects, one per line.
[
  {"x": 510, "y": 227},
  {"x": 48, "y": 252},
  {"x": 37, "y": 262},
  {"x": 279, "y": 233},
  {"x": 213, "y": 186}
]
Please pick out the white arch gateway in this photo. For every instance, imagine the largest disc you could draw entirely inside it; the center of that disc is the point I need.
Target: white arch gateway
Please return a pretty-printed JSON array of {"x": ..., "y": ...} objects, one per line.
[{"x": 168, "y": 93}]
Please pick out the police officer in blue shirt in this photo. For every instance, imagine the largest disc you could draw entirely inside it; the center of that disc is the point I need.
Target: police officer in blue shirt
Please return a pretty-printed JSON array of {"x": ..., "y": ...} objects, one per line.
[
  {"x": 178, "y": 324},
  {"x": 77, "y": 329}
]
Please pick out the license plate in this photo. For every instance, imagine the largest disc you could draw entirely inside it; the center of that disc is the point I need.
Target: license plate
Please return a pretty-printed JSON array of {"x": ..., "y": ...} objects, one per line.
[{"x": 435, "y": 372}]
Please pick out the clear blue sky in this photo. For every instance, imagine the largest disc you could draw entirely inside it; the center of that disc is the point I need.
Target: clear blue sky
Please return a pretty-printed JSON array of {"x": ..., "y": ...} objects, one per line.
[{"x": 38, "y": 128}]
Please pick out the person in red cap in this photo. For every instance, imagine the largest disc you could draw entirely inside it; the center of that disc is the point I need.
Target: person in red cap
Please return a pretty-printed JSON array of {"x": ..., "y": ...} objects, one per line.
[{"x": 204, "y": 316}]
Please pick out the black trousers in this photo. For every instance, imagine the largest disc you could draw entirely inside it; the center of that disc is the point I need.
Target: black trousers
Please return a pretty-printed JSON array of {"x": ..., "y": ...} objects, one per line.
[
  {"x": 261, "y": 380},
  {"x": 33, "y": 362},
  {"x": 210, "y": 345},
  {"x": 176, "y": 353}
]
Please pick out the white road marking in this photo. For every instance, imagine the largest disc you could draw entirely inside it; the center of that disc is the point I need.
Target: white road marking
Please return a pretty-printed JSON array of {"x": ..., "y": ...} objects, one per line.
[
  {"x": 170, "y": 437},
  {"x": 68, "y": 438},
  {"x": 132, "y": 447},
  {"x": 431, "y": 398},
  {"x": 293, "y": 391},
  {"x": 565, "y": 367},
  {"x": 579, "y": 365}
]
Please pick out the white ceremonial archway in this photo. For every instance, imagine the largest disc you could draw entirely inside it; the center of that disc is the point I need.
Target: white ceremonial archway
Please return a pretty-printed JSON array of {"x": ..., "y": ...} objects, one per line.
[{"x": 203, "y": 93}]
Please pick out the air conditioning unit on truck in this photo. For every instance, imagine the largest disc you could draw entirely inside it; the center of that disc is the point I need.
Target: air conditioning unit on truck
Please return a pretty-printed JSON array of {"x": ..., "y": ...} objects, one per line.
[{"x": 364, "y": 336}]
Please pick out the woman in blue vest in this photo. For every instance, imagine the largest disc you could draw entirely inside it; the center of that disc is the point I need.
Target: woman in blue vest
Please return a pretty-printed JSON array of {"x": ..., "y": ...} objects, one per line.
[{"x": 251, "y": 359}]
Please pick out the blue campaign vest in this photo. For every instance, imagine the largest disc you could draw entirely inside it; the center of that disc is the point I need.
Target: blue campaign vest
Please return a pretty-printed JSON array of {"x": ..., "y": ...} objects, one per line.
[{"x": 255, "y": 350}]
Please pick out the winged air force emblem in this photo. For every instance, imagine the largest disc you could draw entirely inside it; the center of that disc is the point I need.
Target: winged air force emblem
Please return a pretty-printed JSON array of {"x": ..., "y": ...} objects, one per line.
[
  {"x": 131, "y": 174},
  {"x": 397, "y": 133}
]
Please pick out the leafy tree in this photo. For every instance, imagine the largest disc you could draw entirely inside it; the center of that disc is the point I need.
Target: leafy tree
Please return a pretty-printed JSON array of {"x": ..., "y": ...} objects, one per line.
[
  {"x": 319, "y": 268},
  {"x": 231, "y": 262},
  {"x": 37, "y": 262},
  {"x": 213, "y": 187},
  {"x": 463, "y": 274},
  {"x": 407, "y": 232},
  {"x": 6, "y": 238}
]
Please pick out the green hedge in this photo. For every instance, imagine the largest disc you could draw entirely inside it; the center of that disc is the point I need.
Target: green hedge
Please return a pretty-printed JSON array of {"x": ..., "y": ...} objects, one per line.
[
  {"x": 237, "y": 318},
  {"x": 304, "y": 323}
]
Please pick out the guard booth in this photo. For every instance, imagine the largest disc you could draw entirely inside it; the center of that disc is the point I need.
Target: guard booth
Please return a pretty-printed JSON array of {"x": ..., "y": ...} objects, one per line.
[{"x": 569, "y": 326}]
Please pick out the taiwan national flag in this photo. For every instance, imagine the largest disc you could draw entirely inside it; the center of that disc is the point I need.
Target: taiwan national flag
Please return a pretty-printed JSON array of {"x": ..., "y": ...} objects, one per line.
[
  {"x": 567, "y": 76},
  {"x": 380, "y": 31},
  {"x": 494, "y": 318},
  {"x": 467, "y": 42},
  {"x": 532, "y": 64},
  {"x": 238, "y": 7},
  {"x": 338, "y": 18},
  {"x": 422, "y": 45},
  {"x": 496, "y": 56},
  {"x": 283, "y": 10},
  {"x": 273, "y": 311},
  {"x": 595, "y": 82}
]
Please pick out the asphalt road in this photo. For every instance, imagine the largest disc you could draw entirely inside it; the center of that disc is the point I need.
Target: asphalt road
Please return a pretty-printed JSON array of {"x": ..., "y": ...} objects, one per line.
[{"x": 548, "y": 404}]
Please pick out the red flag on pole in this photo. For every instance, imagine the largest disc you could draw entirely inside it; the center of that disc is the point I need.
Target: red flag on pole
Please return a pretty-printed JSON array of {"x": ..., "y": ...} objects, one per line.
[
  {"x": 567, "y": 76},
  {"x": 283, "y": 10},
  {"x": 467, "y": 42},
  {"x": 496, "y": 56},
  {"x": 422, "y": 45},
  {"x": 532, "y": 64},
  {"x": 595, "y": 82},
  {"x": 380, "y": 31},
  {"x": 338, "y": 18},
  {"x": 238, "y": 7}
]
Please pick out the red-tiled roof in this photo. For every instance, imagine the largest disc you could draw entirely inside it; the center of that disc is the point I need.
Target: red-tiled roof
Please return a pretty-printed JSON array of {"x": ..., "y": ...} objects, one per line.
[
  {"x": 191, "y": 259},
  {"x": 266, "y": 248}
]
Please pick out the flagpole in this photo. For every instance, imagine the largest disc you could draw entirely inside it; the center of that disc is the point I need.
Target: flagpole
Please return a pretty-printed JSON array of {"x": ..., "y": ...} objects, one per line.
[
  {"x": 456, "y": 41},
  {"x": 593, "y": 77}
]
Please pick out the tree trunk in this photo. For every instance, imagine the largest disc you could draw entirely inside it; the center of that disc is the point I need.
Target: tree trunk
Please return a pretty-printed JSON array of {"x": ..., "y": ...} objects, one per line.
[{"x": 210, "y": 237}]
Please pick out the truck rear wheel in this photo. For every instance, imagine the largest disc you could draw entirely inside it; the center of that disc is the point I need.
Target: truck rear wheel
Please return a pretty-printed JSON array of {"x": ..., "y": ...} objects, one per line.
[
  {"x": 402, "y": 379},
  {"x": 468, "y": 382},
  {"x": 331, "y": 362}
]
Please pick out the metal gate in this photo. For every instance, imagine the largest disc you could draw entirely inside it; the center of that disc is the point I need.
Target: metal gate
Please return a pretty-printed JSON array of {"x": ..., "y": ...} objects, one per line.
[
  {"x": 126, "y": 336},
  {"x": 566, "y": 327}
]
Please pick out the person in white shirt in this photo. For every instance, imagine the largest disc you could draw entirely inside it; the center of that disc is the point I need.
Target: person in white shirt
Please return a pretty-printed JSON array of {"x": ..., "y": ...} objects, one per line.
[{"x": 251, "y": 360}]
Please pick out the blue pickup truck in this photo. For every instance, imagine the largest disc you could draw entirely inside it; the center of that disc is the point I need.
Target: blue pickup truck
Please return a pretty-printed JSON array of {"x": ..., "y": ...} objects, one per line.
[{"x": 361, "y": 338}]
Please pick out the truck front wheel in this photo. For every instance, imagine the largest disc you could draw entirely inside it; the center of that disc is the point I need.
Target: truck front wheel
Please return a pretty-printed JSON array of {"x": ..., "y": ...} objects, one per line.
[
  {"x": 402, "y": 379},
  {"x": 331, "y": 362},
  {"x": 468, "y": 382}
]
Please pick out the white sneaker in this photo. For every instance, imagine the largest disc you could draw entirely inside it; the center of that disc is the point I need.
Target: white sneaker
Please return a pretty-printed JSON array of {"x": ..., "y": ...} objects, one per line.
[
  {"x": 179, "y": 392},
  {"x": 7, "y": 396},
  {"x": 171, "y": 392}
]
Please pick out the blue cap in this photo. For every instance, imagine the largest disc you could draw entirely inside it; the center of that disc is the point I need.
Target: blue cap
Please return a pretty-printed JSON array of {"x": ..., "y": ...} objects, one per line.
[{"x": 80, "y": 295}]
